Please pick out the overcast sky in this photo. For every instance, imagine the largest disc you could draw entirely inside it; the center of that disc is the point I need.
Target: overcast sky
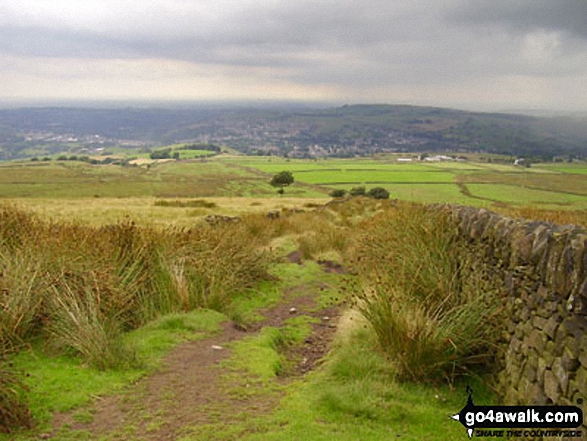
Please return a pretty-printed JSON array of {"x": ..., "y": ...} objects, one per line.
[{"x": 473, "y": 54}]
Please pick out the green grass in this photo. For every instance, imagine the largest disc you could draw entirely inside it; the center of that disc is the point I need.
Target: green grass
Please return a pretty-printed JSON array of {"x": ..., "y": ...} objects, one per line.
[
  {"x": 372, "y": 176},
  {"x": 155, "y": 339},
  {"x": 509, "y": 168},
  {"x": 62, "y": 383},
  {"x": 275, "y": 165},
  {"x": 435, "y": 193},
  {"x": 355, "y": 396},
  {"x": 424, "y": 193},
  {"x": 433, "y": 182},
  {"x": 552, "y": 182},
  {"x": 245, "y": 307},
  {"x": 580, "y": 169},
  {"x": 191, "y": 154},
  {"x": 259, "y": 355},
  {"x": 526, "y": 196}
]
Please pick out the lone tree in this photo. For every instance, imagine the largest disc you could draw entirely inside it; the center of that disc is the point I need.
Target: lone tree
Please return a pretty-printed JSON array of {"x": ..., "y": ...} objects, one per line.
[{"x": 281, "y": 180}]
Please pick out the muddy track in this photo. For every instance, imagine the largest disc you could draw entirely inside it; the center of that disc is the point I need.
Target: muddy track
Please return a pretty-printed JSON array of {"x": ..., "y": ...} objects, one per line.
[{"x": 193, "y": 389}]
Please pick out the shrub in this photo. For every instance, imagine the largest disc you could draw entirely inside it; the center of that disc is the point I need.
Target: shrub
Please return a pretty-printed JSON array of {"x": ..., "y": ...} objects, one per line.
[
  {"x": 161, "y": 154},
  {"x": 378, "y": 193},
  {"x": 357, "y": 191},
  {"x": 337, "y": 193}
]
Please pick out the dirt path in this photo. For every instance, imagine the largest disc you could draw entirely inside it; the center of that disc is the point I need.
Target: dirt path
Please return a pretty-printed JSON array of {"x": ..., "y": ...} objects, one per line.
[{"x": 193, "y": 389}]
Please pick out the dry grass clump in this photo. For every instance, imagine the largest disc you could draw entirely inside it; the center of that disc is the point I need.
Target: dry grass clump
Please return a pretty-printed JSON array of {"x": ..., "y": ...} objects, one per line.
[
  {"x": 117, "y": 276},
  {"x": 194, "y": 203},
  {"x": 21, "y": 299},
  {"x": 81, "y": 287},
  {"x": 430, "y": 318},
  {"x": 328, "y": 238},
  {"x": 14, "y": 411},
  {"x": 261, "y": 229}
]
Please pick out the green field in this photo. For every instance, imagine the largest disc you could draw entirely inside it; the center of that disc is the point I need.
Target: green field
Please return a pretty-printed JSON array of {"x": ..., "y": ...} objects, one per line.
[
  {"x": 73, "y": 179},
  {"x": 485, "y": 184},
  {"x": 550, "y": 186},
  {"x": 527, "y": 196},
  {"x": 580, "y": 169}
]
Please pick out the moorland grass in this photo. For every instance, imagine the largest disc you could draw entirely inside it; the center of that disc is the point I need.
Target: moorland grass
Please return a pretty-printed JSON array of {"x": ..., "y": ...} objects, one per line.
[
  {"x": 198, "y": 203},
  {"x": 80, "y": 287},
  {"x": 167, "y": 180},
  {"x": 560, "y": 217},
  {"x": 432, "y": 324},
  {"x": 14, "y": 409}
]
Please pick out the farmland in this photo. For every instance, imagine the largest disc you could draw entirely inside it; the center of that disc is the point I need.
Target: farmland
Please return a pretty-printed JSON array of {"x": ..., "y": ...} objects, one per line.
[
  {"x": 126, "y": 248},
  {"x": 225, "y": 177}
]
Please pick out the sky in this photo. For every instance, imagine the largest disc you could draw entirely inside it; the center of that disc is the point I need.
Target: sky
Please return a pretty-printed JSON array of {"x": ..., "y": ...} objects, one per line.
[{"x": 469, "y": 54}]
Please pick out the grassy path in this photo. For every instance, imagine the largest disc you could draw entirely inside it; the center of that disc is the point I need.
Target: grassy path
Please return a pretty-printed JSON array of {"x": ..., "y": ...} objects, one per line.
[
  {"x": 295, "y": 365},
  {"x": 217, "y": 383},
  {"x": 285, "y": 361}
]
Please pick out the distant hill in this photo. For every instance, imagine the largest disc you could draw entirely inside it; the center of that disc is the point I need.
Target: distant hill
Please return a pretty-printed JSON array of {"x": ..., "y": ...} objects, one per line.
[{"x": 343, "y": 131}]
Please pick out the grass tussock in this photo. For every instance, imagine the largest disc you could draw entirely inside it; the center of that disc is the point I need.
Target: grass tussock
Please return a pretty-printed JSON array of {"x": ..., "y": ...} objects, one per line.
[
  {"x": 21, "y": 299},
  {"x": 116, "y": 276},
  {"x": 79, "y": 288},
  {"x": 318, "y": 232},
  {"x": 433, "y": 319},
  {"x": 78, "y": 325},
  {"x": 14, "y": 411},
  {"x": 195, "y": 203}
]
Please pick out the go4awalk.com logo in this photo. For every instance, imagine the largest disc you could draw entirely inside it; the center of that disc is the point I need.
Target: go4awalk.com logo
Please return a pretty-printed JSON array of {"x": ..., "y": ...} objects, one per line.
[{"x": 520, "y": 421}]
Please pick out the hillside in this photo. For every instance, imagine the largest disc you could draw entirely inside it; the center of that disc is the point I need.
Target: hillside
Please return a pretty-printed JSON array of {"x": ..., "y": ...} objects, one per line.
[{"x": 341, "y": 132}]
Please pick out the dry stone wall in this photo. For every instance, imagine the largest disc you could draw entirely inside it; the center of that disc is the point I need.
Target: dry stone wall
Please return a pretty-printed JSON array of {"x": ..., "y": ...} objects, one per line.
[{"x": 540, "y": 271}]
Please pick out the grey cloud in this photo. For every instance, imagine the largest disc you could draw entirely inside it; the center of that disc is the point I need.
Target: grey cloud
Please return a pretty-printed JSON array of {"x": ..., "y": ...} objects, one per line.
[
  {"x": 362, "y": 45},
  {"x": 283, "y": 29},
  {"x": 525, "y": 15}
]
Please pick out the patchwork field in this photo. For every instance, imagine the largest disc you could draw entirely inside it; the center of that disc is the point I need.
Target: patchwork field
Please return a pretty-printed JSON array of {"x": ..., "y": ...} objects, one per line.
[
  {"x": 546, "y": 186},
  {"x": 549, "y": 186}
]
